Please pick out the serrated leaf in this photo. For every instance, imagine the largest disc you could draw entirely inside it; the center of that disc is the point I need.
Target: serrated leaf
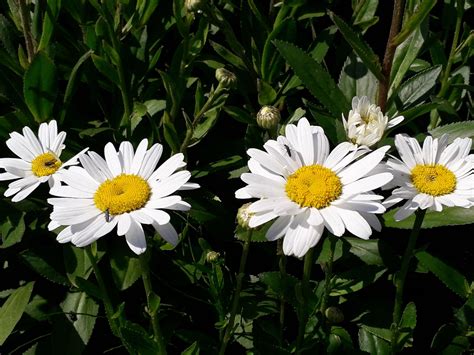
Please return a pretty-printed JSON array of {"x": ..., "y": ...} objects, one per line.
[
  {"x": 138, "y": 339},
  {"x": 407, "y": 326},
  {"x": 450, "y": 216},
  {"x": 126, "y": 269},
  {"x": 12, "y": 310},
  {"x": 447, "y": 341},
  {"x": 414, "y": 21},
  {"x": 359, "y": 46},
  {"x": 258, "y": 234},
  {"x": 316, "y": 79},
  {"x": 40, "y": 87},
  {"x": 76, "y": 262},
  {"x": 13, "y": 236},
  {"x": 282, "y": 285},
  {"x": 455, "y": 130},
  {"x": 355, "y": 279},
  {"x": 84, "y": 310},
  {"x": 43, "y": 267},
  {"x": 366, "y": 250},
  {"x": 356, "y": 80},
  {"x": 452, "y": 278},
  {"x": 372, "y": 343}
]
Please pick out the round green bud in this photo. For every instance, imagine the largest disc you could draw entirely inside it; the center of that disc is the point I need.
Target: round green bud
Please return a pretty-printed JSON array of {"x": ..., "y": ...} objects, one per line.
[
  {"x": 226, "y": 78},
  {"x": 268, "y": 117},
  {"x": 244, "y": 215},
  {"x": 334, "y": 315},
  {"x": 212, "y": 256},
  {"x": 194, "y": 5}
]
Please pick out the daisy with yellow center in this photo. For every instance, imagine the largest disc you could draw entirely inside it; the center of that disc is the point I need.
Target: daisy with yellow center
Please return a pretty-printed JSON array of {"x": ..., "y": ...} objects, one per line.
[
  {"x": 124, "y": 190},
  {"x": 38, "y": 160},
  {"x": 305, "y": 188},
  {"x": 366, "y": 124},
  {"x": 437, "y": 175}
]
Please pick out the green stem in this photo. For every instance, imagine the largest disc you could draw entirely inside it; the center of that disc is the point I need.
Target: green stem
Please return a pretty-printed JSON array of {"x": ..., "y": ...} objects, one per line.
[
  {"x": 401, "y": 277},
  {"x": 308, "y": 264},
  {"x": 236, "y": 299},
  {"x": 190, "y": 130},
  {"x": 384, "y": 85},
  {"x": 435, "y": 119},
  {"x": 328, "y": 274},
  {"x": 109, "y": 309},
  {"x": 282, "y": 268},
  {"x": 151, "y": 311},
  {"x": 26, "y": 26}
]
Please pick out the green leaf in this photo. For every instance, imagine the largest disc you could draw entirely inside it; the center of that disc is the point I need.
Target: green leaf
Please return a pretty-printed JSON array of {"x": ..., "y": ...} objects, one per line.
[
  {"x": 414, "y": 21},
  {"x": 355, "y": 279},
  {"x": 193, "y": 349},
  {"x": 415, "y": 88},
  {"x": 258, "y": 234},
  {"x": 364, "y": 13},
  {"x": 452, "y": 278},
  {"x": 125, "y": 269},
  {"x": 40, "y": 87},
  {"x": 448, "y": 341},
  {"x": 105, "y": 68},
  {"x": 15, "y": 231},
  {"x": 266, "y": 93},
  {"x": 366, "y": 250},
  {"x": 228, "y": 55},
  {"x": 282, "y": 285},
  {"x": 373, "y": 344},
  {"x": 362, "y": 49},
  {"x": 407, "y": 326},
  {"x": 239, "y": 114},
  {"x": 138, "y": 339},
  {"x": 43, "y": 267},
  {"x": 223, "y": 164},
  {"x": 455, "y": 130},
  {"x": 85, "y": 311},
  {"x": 49, "y": 21},
  {"x": 169, "y": 132},
  {"x": 12, "y": 310},
  {"x": 77, "y": 263},
  {"x": 405, "y": 54},
  {"x": 316, "y": 79},
  {"x": 89, "y": 287},
  {"x": 450, "y": 216},
  {"x": 356, "y": 80}
]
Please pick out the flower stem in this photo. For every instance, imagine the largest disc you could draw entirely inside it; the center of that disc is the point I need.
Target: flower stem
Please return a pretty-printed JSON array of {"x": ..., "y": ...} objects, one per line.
[
  {"x": 328, "y": 274},
  {"x": 401, "y": 277},
  {"x": 282, "y": 268},
  {"x": 150, "y": 308},
  {"x": 435, "y": 119},
  {"x": 308, "y": 264},
  {"x": 236, "y": 298},
  {"x": 109, "y": 309},
  {"x": 384, "y": 85},
  {"x": 25, "y": 24}
]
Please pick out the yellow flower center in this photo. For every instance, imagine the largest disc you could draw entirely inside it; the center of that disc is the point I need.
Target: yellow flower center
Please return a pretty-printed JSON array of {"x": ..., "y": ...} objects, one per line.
[
  {"x": 434, "y": 180},
  {"x": 45, "y": 164},
  {"x": 313, "y": 186},
  {"x": 122, "y": 194}
]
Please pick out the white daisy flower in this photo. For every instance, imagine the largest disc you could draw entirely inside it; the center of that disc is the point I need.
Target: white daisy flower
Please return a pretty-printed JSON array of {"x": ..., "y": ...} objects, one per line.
[
  {"x": 125, "y": 191},
  {"x": 366, "y": 124},
  {"x": 437, "y": 174},
  {"x": 38, "y": 161},
  {"x": 306, "y": 188}
]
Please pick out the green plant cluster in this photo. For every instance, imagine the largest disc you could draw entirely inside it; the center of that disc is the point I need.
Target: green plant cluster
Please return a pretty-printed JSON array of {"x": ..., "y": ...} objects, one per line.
[{"x": 193, "y": 76}]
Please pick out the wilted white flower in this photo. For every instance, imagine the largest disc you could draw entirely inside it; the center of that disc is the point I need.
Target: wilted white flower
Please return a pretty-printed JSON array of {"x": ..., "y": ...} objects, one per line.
[
  {"x": 39, "y": 160},
  {"x": 306, "y": 188},
  {"x": 366, "y": 124},
  {"x": 125, "y": 191},
  {"x": 437, "y": 174}
]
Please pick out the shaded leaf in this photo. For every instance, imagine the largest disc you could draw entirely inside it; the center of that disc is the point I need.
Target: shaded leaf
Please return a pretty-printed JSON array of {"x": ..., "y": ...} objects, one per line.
[
  {"x": 44, "y": 267},
  {"x": 414, "y": 21},
  {"x": 372, "y": 343},
  {"x": 366, "y": 250},
  {"x": 12, "y": 310},
  {"x": 356, "y": 80},
  {"x": 355, "y": 279},
  {"x": 455, "y": 130},
  {"x": 452, "y": 278},
  {"x": 40, "y": 87},
  {"x": 316, "y": 79}
]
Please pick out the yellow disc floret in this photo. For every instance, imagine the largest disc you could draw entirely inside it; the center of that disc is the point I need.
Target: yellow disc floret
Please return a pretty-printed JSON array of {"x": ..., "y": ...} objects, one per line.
[
  {"x": 313, "y": 186},
  {"x": 434, "y": 180},
  {"x": 124, "y": 193},
  {"x": 45, "y": 164}
]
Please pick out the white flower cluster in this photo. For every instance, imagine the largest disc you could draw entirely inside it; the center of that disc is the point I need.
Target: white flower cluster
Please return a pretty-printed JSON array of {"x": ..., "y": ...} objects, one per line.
[{"x": 124, "y": 190}]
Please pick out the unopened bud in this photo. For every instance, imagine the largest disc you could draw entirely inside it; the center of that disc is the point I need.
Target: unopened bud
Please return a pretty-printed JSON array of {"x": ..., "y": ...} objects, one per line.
[
  {"x": 226, "y": 78},
  {"x": 268, "y": 117},
  {"x": 194, "y": 5},
  {"x": 334, "y": 315},
  {"x": 212, "y": 256},
  {"x": 244, "y": 215}
]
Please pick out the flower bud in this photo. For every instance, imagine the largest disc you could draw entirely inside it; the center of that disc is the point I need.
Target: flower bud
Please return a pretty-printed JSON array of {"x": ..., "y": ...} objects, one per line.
[
  {"x": 194, "y": 5},
  {"x": 212, "y": 256},
  {"x": 226, "y": 78},
  {"x": 244, "y": 215},
  {"x": 334, "y": 315},
  {"x": 268, "y": 117}
]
